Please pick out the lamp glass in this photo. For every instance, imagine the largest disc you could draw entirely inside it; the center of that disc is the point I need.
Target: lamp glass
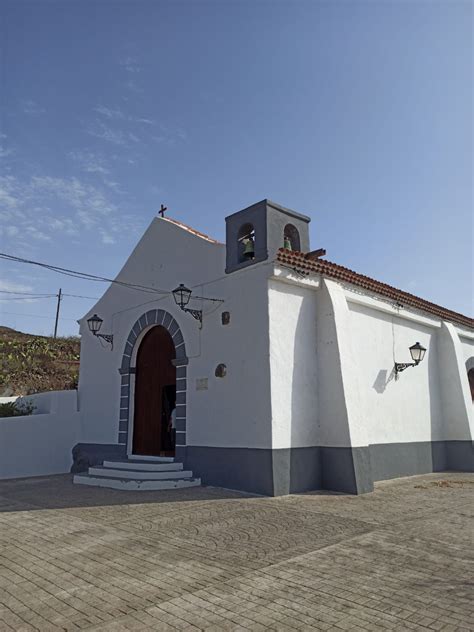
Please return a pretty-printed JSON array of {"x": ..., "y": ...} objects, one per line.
[
  {"x": 94, "y": 323},
  {"x": 417, "y": 352},
  {"x": 181, "y": 295}
]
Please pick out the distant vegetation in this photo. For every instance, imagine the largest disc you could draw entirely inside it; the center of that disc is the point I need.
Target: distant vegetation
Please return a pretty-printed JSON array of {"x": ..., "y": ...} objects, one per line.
[
  {"x": 17, "y": 409},
  {"x": 33, "y": 364}
]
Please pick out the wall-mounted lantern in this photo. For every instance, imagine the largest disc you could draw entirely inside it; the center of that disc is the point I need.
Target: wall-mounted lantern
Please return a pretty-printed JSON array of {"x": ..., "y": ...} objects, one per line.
[
  {"x": 95, "y": 323},
  {"x": 182, "y": 296},
  {"x": 417, "y": 353}
]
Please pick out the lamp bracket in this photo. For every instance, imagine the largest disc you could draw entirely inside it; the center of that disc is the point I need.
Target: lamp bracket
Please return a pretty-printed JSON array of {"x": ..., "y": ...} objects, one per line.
[
  {"x": 401, "y": 366},
  {"x": 107, "y": 337},
  {"x": 195, "y": 313}
]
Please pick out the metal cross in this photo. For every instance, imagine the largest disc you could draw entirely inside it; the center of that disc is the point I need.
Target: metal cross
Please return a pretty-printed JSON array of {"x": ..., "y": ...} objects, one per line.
[{"x": 162, "y": 210}]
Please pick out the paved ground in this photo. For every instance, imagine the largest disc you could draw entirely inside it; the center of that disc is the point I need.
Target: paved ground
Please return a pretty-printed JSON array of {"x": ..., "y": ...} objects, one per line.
[{"x": 74, "y": 557}]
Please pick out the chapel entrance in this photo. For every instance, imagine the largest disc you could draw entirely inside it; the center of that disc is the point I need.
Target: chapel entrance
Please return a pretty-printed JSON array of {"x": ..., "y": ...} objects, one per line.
[{"x": 155, "y": 395}]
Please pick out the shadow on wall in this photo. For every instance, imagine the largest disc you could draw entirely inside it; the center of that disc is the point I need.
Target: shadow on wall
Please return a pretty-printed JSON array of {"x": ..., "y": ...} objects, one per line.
[
  {"x": 304, "y": 466},
  {"x": 383, "y": 379},
  {"x": 438, "y": 452}
]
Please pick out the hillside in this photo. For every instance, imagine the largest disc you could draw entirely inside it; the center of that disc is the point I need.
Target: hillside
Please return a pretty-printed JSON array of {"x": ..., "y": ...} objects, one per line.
[{"x": 32, "y": 364}]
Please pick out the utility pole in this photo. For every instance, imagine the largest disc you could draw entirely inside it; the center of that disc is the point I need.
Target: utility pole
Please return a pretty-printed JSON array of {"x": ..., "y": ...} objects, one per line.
[{"x": 57, "y": 314}]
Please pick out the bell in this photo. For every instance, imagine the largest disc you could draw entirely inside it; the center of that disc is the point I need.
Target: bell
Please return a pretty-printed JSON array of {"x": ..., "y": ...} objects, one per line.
[
  {"x": 287, "y": 243},
  {"x": 249, "y": 249}
]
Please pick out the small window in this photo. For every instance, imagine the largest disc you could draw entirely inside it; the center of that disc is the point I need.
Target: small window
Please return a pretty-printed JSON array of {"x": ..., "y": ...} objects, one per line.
[
  {"x": 291, "y": 238},
  {"x": 246, "y": 243}
]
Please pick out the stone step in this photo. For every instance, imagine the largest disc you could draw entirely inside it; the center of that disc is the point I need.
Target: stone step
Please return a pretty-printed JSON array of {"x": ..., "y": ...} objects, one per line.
[
  {"x": 143, "y": 466},
  {"x": 135, "y": 485},
  {"x": 154, "y": 459},
  {"x": 139, "y": 475}
]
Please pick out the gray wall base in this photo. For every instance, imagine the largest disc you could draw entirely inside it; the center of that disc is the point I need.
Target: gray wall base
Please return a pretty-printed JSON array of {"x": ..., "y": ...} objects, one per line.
[
  {"x": 347, "y": 470},
  {"x": 85, "y": 455},
  {"x": 293, "y": 470}
]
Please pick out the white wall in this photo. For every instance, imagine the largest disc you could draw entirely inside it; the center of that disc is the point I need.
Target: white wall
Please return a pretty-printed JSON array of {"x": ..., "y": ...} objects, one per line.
[
  {"x": 395, "y": 410},
  {"x": 292, "y": 311},
  {"x": 160, "y": 260},
  {"x": 40, "y": 444},
  {"x": 235, "y": 411},
  {"x": 332, "y": 353}
]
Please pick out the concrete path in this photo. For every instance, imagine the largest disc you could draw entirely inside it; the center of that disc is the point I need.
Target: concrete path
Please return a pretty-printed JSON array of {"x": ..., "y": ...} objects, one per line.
[{"x": 74, "y": 557}]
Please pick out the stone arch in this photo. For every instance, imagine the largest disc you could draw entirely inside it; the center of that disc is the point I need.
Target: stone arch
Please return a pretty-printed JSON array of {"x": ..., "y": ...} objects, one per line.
[{"x": 150, "y": 319}]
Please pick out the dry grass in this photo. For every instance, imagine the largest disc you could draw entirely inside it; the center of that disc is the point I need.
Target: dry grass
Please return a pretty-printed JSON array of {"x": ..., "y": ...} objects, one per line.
[{"x": 33, "y": 364}]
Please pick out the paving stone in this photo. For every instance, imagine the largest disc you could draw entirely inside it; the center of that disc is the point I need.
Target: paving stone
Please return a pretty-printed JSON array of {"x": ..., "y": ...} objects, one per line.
[{"x": 75, "y": 558}]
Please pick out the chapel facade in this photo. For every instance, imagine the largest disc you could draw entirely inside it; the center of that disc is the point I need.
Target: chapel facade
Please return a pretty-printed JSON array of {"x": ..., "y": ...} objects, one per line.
[{"x": 258, "y": 365}]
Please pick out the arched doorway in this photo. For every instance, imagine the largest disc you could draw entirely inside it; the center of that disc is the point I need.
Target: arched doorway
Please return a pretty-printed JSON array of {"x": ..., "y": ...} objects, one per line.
[{"x": 155, "y": 394}]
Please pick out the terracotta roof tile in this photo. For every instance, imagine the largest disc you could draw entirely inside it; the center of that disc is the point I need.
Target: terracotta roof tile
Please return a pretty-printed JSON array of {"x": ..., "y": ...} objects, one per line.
[
  {"x": 191, "y": 230},
  {"x": 297, "y": 261}
]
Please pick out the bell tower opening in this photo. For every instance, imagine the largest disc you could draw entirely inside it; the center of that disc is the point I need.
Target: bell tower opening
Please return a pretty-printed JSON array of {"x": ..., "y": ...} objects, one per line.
[
  {"x": 256, "y": 233},
  {"x": 291, "y": 238},
  {"x": 246, "y": 243}
]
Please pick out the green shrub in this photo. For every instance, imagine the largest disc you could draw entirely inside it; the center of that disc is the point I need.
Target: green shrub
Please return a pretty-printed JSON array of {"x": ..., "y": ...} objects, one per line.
[{"x": 17, "y": 409}]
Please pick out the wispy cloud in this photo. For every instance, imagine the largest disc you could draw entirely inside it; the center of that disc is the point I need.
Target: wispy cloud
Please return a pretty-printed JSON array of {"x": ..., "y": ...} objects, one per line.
[
  {"x": 31, "y": 107},
  {"x": 122, "y": 138},
  {"x": 90, "y": 162},
  {"x": 130, "y": 64},
  {"x": 110, "y": 113},
  {"x": 117, "y": 114},
  {"x": 170, "y": 135},
  {"x": 28, "y": 210},
  {"x": 11, "y": 286}
]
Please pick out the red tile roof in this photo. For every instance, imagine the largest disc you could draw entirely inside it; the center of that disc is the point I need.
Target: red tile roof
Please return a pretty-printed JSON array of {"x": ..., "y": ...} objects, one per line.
[
  {"x": 298, "y": 261},
  {"x": 191, "y": 230}
]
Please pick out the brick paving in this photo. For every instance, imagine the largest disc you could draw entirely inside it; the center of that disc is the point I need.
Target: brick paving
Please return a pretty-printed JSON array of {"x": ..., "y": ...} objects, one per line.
[{"x": 79, "y": 558}]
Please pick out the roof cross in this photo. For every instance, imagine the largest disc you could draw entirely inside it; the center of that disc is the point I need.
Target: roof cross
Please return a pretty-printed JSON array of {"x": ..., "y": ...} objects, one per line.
[{"x": 162, "y": 210}]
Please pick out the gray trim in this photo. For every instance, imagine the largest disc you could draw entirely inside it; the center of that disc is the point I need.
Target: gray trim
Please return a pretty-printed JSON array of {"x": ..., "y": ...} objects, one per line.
[
  {"x": 460, "y": 455},
  {"x": 339, "y": 469},
  {"x": 247, "y": 469},
  {"x": 151, "y": 318},
  {"x": 86, "y": 455},
  {"x": 182, "y": 361}
]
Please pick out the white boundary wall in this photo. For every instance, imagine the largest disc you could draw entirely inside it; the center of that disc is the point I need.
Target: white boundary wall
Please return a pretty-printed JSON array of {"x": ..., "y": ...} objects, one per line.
[{"x": 40, "y": 444}]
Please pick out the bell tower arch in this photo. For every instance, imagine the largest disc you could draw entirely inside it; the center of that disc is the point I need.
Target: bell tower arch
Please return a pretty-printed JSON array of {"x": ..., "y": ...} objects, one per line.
[{"x": 256, "y": 234}]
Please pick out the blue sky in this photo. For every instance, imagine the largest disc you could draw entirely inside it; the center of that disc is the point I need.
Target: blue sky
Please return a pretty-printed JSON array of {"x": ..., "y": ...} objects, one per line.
[{"x": 356, "y": 113}]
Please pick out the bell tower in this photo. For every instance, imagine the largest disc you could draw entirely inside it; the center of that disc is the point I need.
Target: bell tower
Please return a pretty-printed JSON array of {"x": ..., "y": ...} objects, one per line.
[{"x": 256, "y": 233}]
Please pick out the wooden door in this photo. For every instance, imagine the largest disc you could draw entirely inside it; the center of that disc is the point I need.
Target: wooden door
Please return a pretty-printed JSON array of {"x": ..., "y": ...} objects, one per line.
[{"x": 154, "y": 372}]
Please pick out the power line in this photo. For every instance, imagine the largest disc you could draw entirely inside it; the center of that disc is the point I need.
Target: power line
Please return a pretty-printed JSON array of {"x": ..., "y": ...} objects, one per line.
[
  {"x": 25, "y": 298},
  {"x": 36, "y": 316},
  {"x": 92, "y": 298},
  {"x": 31, "y": 294},
  {"x": 83, "y": 275},
  {"x": 35, "y": 295}
]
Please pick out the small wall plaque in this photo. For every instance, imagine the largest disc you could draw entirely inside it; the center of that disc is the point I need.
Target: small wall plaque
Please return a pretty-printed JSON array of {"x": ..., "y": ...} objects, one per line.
[
  {"x": 201, "y": 384},
  {"x": 225, "y": 318}
]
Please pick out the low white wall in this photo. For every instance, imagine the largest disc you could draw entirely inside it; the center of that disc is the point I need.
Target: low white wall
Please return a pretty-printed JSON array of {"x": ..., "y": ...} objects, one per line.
[{"x": 40, "y": 444}]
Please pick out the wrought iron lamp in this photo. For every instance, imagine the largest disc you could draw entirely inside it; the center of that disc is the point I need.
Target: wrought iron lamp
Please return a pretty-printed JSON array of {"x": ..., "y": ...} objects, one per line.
[
  {"x": 182, "y": 296},
  {"x": 95, "y": 323},
  {"x": 417, "y": 353}
]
